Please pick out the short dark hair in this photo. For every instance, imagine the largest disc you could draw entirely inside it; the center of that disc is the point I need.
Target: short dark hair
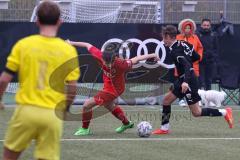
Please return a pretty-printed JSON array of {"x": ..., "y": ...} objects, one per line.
[
  {"x": 48, "y": 13},
  {"x": 169, "y": 30},
  {"x": 110, "y": 52},
  {"x": 206, "y": 20}
]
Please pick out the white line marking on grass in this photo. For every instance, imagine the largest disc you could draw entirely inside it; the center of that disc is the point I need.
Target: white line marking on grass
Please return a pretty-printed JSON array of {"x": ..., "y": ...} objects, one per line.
[
  {"x": 144, "y": 139},
  {"x": 155, "y": 110},
  {"x": 175, "y": 110},
  {"x": 144, "y": 109},
  {"x": 148, "y": 139}
]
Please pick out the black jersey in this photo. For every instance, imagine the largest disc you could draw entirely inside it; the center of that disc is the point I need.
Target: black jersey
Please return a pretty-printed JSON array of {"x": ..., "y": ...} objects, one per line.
[{"x": 183, "y": 56}]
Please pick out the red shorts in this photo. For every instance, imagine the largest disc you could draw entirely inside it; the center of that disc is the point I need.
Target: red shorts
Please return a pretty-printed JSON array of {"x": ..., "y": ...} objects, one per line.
[{"x": 102, "y": 98}]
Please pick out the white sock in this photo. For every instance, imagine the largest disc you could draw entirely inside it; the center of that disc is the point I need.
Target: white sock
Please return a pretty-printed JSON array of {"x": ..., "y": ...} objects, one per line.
[
  {"x": 165, "y": 127},
  {"x": 223, "y": 111}
]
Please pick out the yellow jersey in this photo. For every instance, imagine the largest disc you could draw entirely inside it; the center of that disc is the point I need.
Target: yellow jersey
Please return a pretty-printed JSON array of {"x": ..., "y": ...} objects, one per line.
[{"x": 37, "y": 60}]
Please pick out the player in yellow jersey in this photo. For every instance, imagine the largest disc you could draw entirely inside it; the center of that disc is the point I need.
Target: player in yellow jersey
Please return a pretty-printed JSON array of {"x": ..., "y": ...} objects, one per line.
[{"x": 36, "y": 59}]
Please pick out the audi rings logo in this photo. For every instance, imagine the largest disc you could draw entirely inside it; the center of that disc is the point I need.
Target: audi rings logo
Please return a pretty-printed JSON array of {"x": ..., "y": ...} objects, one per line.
[{"x": 126, "y": 46}]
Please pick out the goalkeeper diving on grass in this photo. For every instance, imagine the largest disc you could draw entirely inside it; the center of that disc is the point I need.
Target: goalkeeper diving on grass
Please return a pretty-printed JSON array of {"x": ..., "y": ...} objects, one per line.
[{"x": 114, "y": 69}]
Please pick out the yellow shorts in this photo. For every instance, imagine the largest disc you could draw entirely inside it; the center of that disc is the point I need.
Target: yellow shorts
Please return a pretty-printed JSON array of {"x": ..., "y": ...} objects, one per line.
[{"x": 35, "y": 123}]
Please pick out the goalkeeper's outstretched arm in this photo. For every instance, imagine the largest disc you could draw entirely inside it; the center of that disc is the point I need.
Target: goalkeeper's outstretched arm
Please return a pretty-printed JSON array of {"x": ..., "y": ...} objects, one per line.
[
  {"x": 143, "y": 57},
  {"x": 80, "y": 44}
]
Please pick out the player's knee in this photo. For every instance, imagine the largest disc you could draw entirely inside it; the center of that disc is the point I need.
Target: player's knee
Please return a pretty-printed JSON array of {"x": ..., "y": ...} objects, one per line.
[
  {"x": 87, "y": 108},
  {"x": 166, "y": 101},
  {"x": 88, "y": 104},
  {"x": 196, "y": 113},
  {"x": 110, "y": 107},
  {"x": 10, "y": 155}
]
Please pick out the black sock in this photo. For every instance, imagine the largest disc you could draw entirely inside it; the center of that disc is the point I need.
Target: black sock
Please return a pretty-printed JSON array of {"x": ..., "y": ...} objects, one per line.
[
  {"x": 211, "y": 112},
  {"x": 166, "y": 113}
]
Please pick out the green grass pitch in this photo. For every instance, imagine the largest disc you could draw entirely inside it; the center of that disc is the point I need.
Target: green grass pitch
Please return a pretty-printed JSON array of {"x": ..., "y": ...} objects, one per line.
[{"x": 190, "y": 139}]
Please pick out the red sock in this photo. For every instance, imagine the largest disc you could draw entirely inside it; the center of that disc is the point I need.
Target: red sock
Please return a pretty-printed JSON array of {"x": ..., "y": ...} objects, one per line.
[
  {"x": 86, "y": 118},
  {"x": 119, "y": 114}
]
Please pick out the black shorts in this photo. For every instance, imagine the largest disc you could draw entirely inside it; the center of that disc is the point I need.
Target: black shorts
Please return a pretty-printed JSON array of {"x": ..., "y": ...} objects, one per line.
[{"x": 191, "y": 95}]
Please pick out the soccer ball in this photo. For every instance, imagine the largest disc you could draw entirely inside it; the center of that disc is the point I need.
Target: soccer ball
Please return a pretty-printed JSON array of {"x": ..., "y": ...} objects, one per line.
[{"x": 144, "y": 129}]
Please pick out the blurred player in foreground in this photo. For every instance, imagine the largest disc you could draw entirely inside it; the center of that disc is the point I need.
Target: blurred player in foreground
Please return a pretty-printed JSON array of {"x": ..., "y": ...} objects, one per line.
[
  {"x": 34, "y": 59},
  {"x": 183, "y": 56},
  {"x": 114, "y": 70}
]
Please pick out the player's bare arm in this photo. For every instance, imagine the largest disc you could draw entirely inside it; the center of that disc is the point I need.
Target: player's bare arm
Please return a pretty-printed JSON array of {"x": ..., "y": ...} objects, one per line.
[
  {"x": 143, "y": 57},
  {"x": 187, "y": 69},
  {"x": 5, "y": 78},
  {"x": 80, "y": 44},
  {"x": 71, "y": 93}
]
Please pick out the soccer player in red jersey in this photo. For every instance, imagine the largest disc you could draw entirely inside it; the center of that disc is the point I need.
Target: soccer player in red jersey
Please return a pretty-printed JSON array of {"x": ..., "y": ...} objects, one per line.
[{"x": 114, "y": 70}]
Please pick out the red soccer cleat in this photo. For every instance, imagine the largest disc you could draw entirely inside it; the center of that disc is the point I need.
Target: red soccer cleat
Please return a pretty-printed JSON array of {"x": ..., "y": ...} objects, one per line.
[
  {"x": 229, "y": 117},
  {"x": 159, "y": 131}
]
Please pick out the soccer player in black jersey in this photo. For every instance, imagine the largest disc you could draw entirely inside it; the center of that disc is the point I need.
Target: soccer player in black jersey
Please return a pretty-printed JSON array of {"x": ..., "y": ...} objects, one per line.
[{"x": 183, "y": 56}]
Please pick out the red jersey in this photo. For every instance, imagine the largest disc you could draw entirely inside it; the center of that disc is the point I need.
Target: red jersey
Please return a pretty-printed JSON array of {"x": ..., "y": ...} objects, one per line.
[{"x": 114, "y": 77}]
